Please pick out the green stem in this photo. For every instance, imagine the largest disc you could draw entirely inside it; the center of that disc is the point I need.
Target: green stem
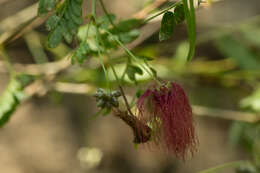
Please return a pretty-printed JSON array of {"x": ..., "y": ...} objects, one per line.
[
  {"x": 119, "y": 84},
  {"x": 106, "y": 13},
  {"x": 161, "y": 12},
  {"x": 93, "y": 8},
  {"x": 112, "y": 67},
  {"x": 124, "y": 73},
  {"x": 191, "y": 26},
  {"x": 220, "y": 167},
  {"x": 132, "y": 55},
  {"x": 122, "y": 91},
  {"x": 97, "y": 40},
  {"x": 86, "y": 38}
]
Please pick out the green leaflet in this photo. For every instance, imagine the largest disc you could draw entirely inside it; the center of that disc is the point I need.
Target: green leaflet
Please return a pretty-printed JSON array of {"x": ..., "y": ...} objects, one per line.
[
  {"x": 123, "y": 30},
  {"x": 128, "y": 37},
  {"x": 125, "y": 26},
  {"x": 64, "y": 23},
  {"x": 12, "y": 96},
  {"x": 132, "y": 70},
  {"x": 81, "y": 53},
  {"x": 104, "y": 21},
  {"x": 52, "y": 22},
  {"x": 179, "y": 14},
  {"x": 167, "y": 26},
  {"x": 45, "y": 6}
]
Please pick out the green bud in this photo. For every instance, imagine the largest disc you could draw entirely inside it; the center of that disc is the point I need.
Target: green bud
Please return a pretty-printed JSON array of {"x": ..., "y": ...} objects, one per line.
[{"x": 116, "y": 93}]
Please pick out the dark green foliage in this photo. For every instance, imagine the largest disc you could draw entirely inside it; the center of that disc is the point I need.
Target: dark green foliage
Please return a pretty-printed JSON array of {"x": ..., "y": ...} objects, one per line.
[
  {"x": 87, "y": 35},
  {"x": 52, "y": 22},
  {"x": 64, "y": 23},
  {"x": 45, "y": 6},
  {"x": 179, "y": 15},
  {"x": 181, "y": 12},
  {"x": 104, "y": 21},
  {"x": 132, "y": 70},
  {"x": 128, "y": 37},
  {"x": 125, "y": 30},
  {"x": 125, "y": 26},
  {"x": 170, "y": 20},
  {"x": 12, "y": 96},
  {"x": 167, "y": 26}
]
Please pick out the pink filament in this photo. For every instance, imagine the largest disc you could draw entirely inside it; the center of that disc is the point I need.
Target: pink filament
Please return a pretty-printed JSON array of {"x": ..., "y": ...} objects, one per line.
[{"x": 170, "y": 113}]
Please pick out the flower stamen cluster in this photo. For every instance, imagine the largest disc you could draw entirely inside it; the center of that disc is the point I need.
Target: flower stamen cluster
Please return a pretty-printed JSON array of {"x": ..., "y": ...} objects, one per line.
[{"x": 167, "y": 111}]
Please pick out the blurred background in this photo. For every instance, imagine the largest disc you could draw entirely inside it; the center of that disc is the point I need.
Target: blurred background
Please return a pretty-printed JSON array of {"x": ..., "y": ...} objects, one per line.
[{"x": 53, "y": 132}]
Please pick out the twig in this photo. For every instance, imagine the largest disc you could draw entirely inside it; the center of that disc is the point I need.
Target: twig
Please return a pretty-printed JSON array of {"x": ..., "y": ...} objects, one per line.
[
  {"x": 31, "y": 25},
  {"x": 161, "y": 12},
  {"x": 197, "y": 109},
  {"x": 74, "y": 88},
  {"x": 141, "y": 131},
  {"x": 19, "y": 18},
  {"x": 106, "y": 12},
  {"x": 112, "y": 67},
  {"x": 33, "y": 42},
  {"x": 225, "y": 114},
  {"x": 226, "y": 165},
  {"x": 11, "y": 25},
  {"x": 51, "y": 68}
]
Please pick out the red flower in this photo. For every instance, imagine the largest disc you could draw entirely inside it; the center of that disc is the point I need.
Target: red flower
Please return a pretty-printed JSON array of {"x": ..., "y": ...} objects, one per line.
[{"x": 167, "y": 111}]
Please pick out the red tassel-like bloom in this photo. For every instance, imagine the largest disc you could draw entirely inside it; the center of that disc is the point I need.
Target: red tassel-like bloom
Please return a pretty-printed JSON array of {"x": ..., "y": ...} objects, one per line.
[{"x": 166, "y": 110}]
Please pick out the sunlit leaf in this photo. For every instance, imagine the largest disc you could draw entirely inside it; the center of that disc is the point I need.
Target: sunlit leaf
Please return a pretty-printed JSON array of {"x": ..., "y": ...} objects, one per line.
[
  {"x": 12, "y": 96},
  {"x": 252, "y": 101}
]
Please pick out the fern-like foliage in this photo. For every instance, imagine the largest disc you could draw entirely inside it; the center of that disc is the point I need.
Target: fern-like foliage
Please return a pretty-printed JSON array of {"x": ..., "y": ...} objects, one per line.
[
  {"x": 45, "y": 6},
  {"x": 64, "y": 22},
  {"x": 124, "y": 30}
]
